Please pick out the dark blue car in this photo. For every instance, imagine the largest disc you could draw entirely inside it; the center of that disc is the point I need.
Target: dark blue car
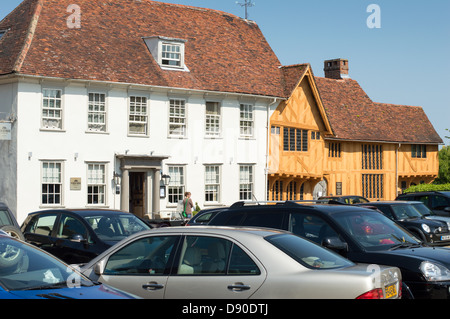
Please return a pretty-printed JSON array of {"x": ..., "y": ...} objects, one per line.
[
  {"x": 78, "y": 235},
  {"x": 26, "y": 272}
]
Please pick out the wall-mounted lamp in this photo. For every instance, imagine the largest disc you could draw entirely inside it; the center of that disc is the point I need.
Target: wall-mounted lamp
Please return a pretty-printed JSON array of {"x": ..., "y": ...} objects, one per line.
[
  {"x": 117, "y": 180},
  {"x": 75, "y": 156},
  {"x": 166, "y": 179},
  {"x": 30, "y": 155}
]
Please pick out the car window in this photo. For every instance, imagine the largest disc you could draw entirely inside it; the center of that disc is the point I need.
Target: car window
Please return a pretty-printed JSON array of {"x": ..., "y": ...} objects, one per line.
[
  {"x": 439, "y": 202},
  {"x": 115, "y": 227},
  {"x": 5, "y": 218},
  {"x": 372, "y": 230},
  {"x": 203, "y": 255},
  {"x": 271, "y": 219},
  {"x": 386, "y": 211},
  {"x": 424, "y": 199},
  {"x": 143, "y": 257},
  {"x": 311, "y": 227},
  {"x": 41, "y": 224},
  {"x": 69, "y": 227},
  {"x": 308, "y": 253},
  {"x": 204, "y": 218}
]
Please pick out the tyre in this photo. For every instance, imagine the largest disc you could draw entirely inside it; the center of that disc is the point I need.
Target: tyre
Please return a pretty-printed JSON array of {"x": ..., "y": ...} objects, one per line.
[{"x": 13, "y": 231}]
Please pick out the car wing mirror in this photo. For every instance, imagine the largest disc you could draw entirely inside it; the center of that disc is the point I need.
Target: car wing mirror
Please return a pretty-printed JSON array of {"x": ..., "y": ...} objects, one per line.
[
  {"x": 99, "y": 267},
  {"x": 334, "y": 243},
  {"x": 77, "y": 238}
]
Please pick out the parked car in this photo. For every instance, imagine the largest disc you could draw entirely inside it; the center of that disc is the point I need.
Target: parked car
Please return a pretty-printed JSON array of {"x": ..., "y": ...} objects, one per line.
[
  {"x": 433, "y": 232},
  {"x": 438, "y": 202},
  {"x": 346, "y": 199},
  {"x": 27, "y": 272},
  {"x": 78, "y": 235},
  {"x": 428, "y": 213},
  {"x": 8, "y": 222},
  {"x": 359, "y": 234},
  {"x": 236, "y": 263}
]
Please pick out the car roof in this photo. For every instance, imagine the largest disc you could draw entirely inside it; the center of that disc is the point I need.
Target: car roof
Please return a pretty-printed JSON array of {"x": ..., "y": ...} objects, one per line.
[
  {"x": 81, "y": 211},
  {"x": 324, "y": 208},
  {"x": 224, "y": 230}
]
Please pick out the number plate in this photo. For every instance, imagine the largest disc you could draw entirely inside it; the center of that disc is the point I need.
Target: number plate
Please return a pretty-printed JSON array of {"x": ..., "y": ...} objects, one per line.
[
  {"x": 390, "y": 291},
  {"x": 445, "y": 237}
]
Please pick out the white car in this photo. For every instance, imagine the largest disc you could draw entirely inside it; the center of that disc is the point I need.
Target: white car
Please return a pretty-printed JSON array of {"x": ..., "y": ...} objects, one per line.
[{"x": 210, "y": 262}]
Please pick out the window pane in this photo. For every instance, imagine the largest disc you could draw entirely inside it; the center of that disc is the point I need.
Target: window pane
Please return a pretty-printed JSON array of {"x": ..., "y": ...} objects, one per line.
[{"x": 145, "y": 257}]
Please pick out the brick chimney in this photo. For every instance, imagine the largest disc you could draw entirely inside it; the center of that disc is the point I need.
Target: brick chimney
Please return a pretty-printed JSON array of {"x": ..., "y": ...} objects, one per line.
[{"x": 336, "y": 69}]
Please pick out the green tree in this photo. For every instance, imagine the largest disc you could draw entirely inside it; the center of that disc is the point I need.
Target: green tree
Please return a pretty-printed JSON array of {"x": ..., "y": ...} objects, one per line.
[{"x": 444, "y": 166}]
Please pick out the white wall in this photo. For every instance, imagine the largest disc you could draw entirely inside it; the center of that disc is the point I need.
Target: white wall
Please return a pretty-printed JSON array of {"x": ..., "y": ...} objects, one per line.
[{"x": 194, "y": 151}]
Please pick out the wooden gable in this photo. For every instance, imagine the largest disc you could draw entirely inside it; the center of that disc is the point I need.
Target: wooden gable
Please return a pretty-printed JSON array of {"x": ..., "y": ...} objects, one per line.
[{"x": 301, "y": 115}]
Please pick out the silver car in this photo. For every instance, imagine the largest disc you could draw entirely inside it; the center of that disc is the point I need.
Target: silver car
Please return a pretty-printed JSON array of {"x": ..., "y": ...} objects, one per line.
[{"x": 221, "y": 262}]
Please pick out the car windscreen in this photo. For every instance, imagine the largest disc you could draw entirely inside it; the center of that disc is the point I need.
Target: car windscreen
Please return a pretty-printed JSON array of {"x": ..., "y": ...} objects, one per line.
[
  {"x": 405, "y": 211},
  {"x": 115, "y": 227},
  {"x": 308, "y": 253},
  {"x": 423, "y": 210},
  {"x": 23, "y": 267},
  {"x": 372, "y": 230}
]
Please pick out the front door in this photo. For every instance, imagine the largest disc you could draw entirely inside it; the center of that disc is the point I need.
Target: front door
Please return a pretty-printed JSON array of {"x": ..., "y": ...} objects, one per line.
[{"x": 138, "y": 192}]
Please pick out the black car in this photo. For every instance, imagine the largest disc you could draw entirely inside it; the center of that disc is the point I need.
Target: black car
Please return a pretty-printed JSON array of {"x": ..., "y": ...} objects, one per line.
[
  {"x": 345, "y": 199},
  {"x": 360, "y": 234},
  {"x": 78, "y": 235},
  {"x": 8, "y": 222},
  {"x": 437, "y": 201},
  {"x": 434, "y": 232}
]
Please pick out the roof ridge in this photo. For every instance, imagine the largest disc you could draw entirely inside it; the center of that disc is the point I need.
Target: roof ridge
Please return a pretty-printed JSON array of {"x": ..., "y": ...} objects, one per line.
[
  {"x": 197, "y": 8},
  {"x": 29, "y": 36}
]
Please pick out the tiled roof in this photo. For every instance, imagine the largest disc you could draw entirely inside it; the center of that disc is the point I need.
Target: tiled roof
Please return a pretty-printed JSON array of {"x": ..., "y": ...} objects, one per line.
[
  {"x": 292, "y": 75},
  {"x": 354, "y": 116},
  {"x": 223, "y": 52}
]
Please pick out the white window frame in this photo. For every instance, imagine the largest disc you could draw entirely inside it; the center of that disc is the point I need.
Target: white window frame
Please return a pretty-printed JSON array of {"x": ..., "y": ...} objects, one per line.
[
  {"x": 96, "y": 181},
  {"x": 177, "y": 184},
  {"x": 172, "y": 54},
  {"x": 246, "y": 181},
  {"x": 52, "y": 177},
  {"x": 97, "y": 109},
  {"x": 212, "y": 183},
  {"x": 52, "y": 109},
  {"x": 246, "y": 120},
  {"x": 213, "y": 119},
  {"x": 136, "y": 116},
  {"x": 177, "y": 117}
]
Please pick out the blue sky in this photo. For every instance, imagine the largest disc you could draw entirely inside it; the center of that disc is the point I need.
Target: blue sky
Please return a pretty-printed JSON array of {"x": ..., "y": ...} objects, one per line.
[{"x": 406, "y": 61}]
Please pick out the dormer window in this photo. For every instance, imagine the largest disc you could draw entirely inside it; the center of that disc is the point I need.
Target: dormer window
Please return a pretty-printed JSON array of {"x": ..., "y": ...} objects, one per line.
[
  {"x": 171, "y": 54},
  {"x": 168, "y": 52}
]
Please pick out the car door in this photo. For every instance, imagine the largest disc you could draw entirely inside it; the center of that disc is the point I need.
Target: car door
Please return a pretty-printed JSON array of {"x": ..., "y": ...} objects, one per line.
[
  {"x": 211, "y": 267},
  {"x": 141, "y": 267},
  {"x": 39, "y": 230},
  {"x": 72, "y": 242}
]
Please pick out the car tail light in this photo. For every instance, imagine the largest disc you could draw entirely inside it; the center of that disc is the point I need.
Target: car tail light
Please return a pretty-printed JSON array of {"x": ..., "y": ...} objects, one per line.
[{"x": 373, "y": 294}]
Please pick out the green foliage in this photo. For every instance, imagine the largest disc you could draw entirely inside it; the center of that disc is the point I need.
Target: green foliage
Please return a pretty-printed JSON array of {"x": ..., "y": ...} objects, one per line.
[
  {"x": 428, "y": 188},
  {"x": 444, "y": 166}
]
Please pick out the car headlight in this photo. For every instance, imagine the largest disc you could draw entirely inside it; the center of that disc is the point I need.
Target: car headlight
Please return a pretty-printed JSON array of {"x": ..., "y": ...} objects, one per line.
[
  {"x": 426, "y": 228},
  {"x": 434, "y": 272}
]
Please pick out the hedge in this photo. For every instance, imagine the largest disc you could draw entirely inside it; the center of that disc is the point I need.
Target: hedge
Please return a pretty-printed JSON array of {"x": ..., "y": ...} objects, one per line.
[{"x": 427, "y": 188}]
